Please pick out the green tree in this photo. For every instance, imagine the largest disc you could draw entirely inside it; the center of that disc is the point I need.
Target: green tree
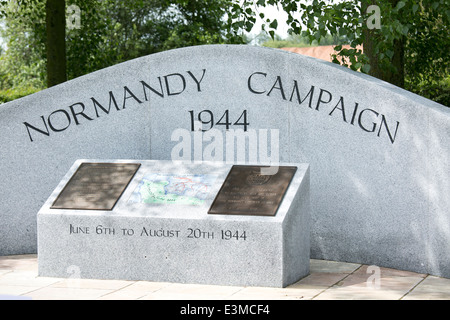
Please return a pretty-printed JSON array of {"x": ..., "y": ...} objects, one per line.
[
  {"x": 109, "y": 32},
  {"x": 199, "y": 22},
  {"x": 34, "y": 25},
  {"x": 391, "y": 52},
  {"x": 299, "y": 41},
  {"x": 23, "y": 31}
]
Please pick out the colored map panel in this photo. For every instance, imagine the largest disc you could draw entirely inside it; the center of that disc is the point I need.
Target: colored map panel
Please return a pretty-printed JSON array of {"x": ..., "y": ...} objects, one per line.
[{"x": 173, "y": 188}]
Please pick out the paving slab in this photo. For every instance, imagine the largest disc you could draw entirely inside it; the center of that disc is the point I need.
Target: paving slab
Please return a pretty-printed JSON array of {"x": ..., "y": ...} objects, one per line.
[
  {"x": 431, "y": 288},
  {"x": 328, "y": 280},
  {"x": 325, "y": 266},
  {"x": 8, "y": 292},
  {"x": 357, "y": 293},
  {"x": 26, "y": 279},
  {"x": 92, "y": 284},
  {"x": 325, "y": 279},
  {"x": 264, "y": 293},
  {"x": 51, "y": 293},
  {"x": 135, "y": 291},
  {"x": 192, "y": 291}
]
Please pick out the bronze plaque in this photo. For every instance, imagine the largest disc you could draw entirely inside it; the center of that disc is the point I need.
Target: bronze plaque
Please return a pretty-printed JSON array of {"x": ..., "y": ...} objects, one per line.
[
  {"x": 96, "y": 186},
  {"x": 246, "y": 191}
]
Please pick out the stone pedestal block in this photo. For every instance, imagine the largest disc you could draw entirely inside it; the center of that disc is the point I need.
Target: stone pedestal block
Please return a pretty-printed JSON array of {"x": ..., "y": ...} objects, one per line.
[{"x": 171, "y": 237}]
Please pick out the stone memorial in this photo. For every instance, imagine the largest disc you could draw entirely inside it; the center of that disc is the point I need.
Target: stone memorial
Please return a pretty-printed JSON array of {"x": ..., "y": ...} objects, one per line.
[
  {"x": 159, "y": 228},
  {"x": 379, "y": 155}
]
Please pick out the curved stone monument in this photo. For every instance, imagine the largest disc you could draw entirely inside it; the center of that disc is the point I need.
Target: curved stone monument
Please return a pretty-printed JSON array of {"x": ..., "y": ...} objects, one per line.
[{"x": 378, "y": 155}]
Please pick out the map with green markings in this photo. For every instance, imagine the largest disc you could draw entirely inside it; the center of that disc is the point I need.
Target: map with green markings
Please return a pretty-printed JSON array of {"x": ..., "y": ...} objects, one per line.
[{"x": 160, "y": 188}]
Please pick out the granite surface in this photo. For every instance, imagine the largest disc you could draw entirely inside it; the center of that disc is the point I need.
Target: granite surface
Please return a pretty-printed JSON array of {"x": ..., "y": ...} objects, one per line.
[
  {"x": 176, "y": 242},
  {"x": 380, "y": 190}
]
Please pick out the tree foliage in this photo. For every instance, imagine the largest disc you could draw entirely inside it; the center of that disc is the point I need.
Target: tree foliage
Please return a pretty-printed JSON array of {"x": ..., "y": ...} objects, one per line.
[
  {"x": 410, "y": 48},
  {"x": 199, "y": 22},
  {"x": 21, "y": 65},
  {"x": 412, "y": 42},
  {"x": 299, "y": 41},
  {"x": 109, "y": 32}
]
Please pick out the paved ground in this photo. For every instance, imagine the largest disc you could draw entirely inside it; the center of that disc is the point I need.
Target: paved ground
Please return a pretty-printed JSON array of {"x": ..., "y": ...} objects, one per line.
[{"x": 328, "y": 280}]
